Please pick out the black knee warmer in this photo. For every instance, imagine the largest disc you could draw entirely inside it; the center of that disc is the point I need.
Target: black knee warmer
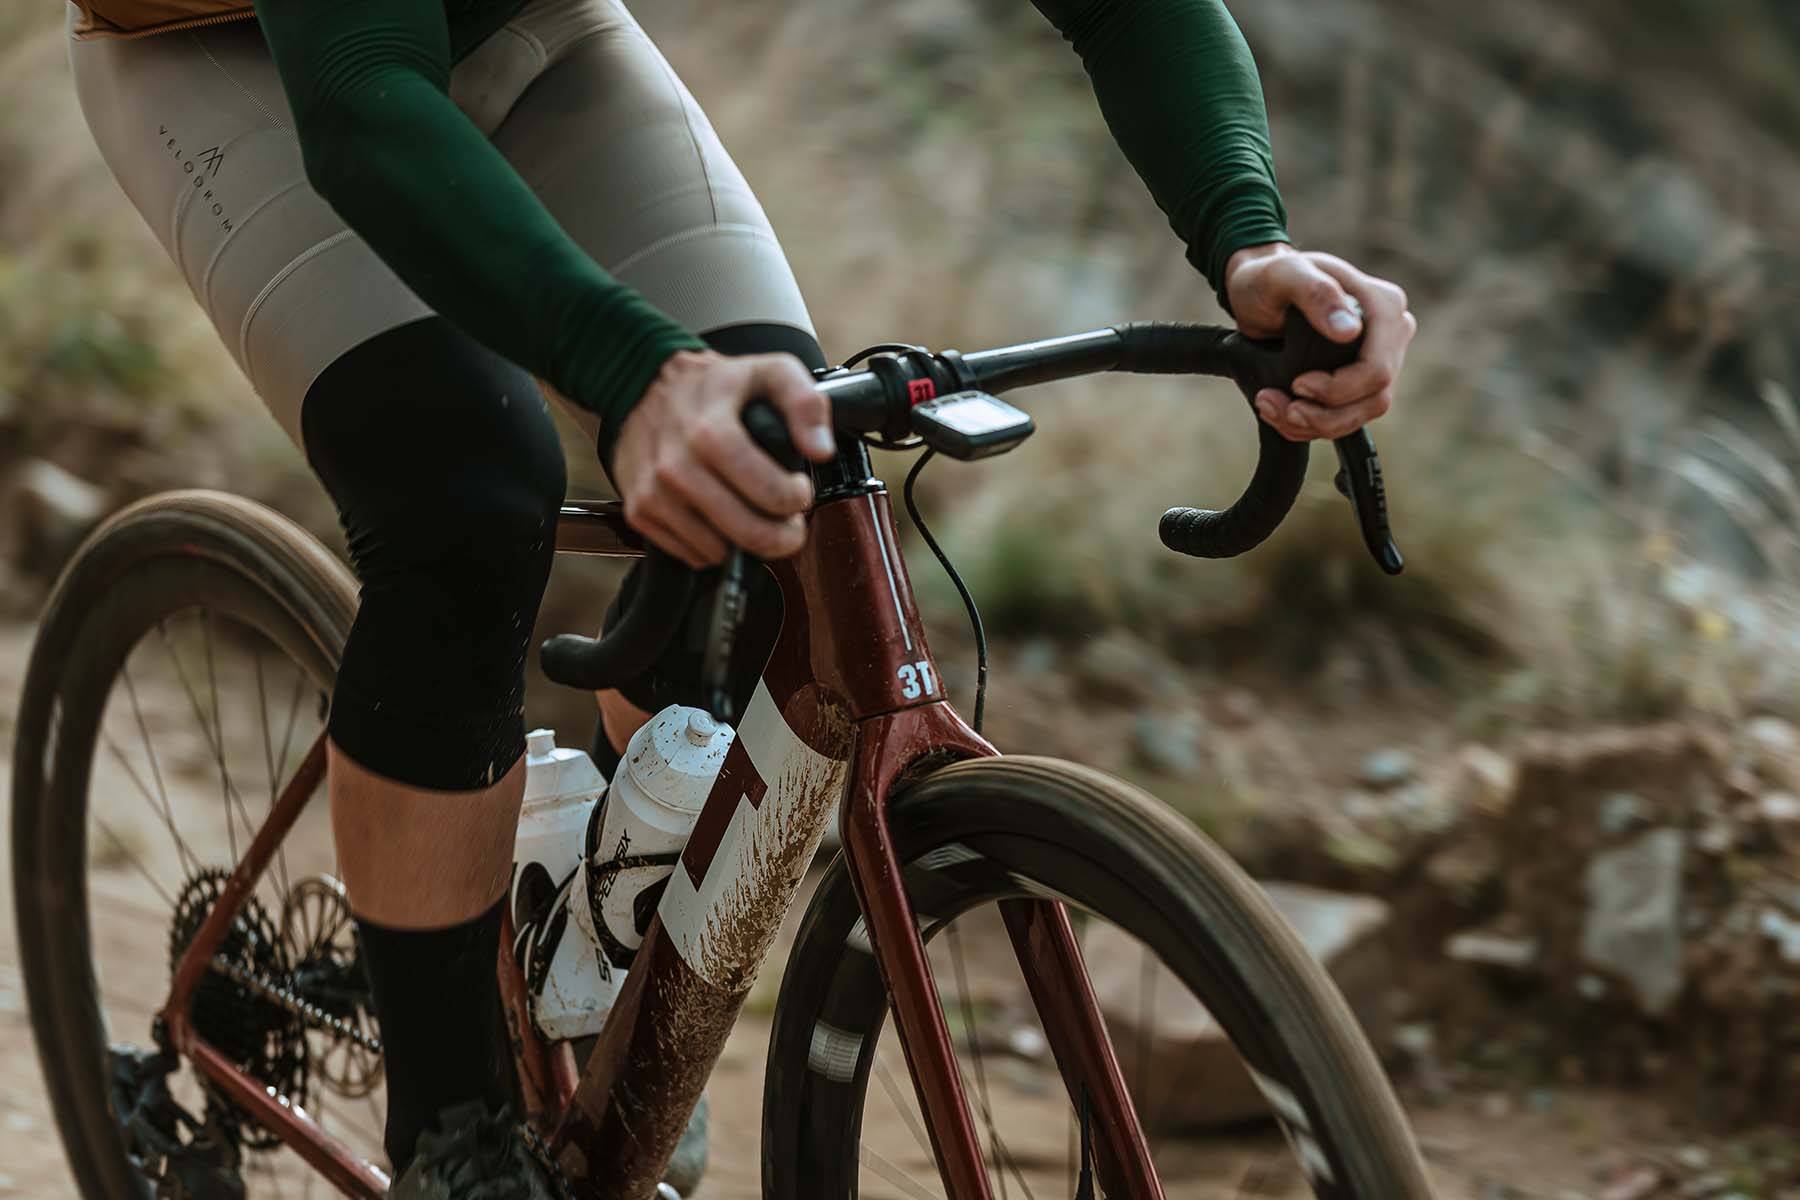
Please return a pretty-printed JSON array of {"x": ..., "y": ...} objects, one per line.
[{"x": 447, "y": 474}]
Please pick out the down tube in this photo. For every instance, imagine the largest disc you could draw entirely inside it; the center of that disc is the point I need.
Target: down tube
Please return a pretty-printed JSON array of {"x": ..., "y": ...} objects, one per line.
[{"x": 777, "y": 789}]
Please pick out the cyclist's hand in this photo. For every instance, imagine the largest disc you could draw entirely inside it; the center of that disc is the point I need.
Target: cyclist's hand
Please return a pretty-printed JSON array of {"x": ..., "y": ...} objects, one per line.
[
  {"x": 692, "y": 480},
  {"x": 1263, "y": 281}
]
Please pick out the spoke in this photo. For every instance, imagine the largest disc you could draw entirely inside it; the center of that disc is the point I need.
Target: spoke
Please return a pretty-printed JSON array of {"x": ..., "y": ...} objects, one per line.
[
  {"x": 121, "y": 906},
  {"x": 215, "y": 740},
  {"x": 377, "y": 1121},
  {"x": 188, "y": 860},
  {"x": 227, "y": 792},
  {"x": 1000, "y": 1152},
  {"x": 906, "y": 1113},
  {"x": 287, "y": 734},
  {"x": 262, "y": 710},
  {"x": 135, "y": 861},
  {"x": 894, "y": 1174},
  {"x": 200, "y": 716}
]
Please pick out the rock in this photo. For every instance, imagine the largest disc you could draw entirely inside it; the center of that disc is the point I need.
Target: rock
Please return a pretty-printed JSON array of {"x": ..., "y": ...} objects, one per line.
[
  {"x": 1773, "y": 736},
  {"x": 1772, "y": 747},
  {"x": 1464, "y": 867},
  {"x": 1716, "y": 839},
  {"x": 49, "y": 511},
  {"x": 1632, "y": 926},
  {"x": 1693, "y": 1158},
  {"x": 1784, "y": 931},
  {"x": 1170, "y": 742},
  {"x": 1416, "y": 1039},
  {"x": 1386, "y": 768},
  {"x": 1494, "y": 950},
  {"x": 1198, "y": 1081},
  {"x": 1713, "y": 1183},
  {"x": 1238, "y": 708},
  {"x": 1421, "y": 809},
  {"x": 1779, "y": 808},
  {"x": 1635, "y": 1184},
  {"x": 1620, "y": 813},
  {"x": 1482, "y": 779}
]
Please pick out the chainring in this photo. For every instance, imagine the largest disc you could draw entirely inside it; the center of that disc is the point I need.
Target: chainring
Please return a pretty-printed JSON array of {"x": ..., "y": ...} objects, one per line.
[
  {"x": 326, "y": 971},
  {"x": 258, "y": 1035}
]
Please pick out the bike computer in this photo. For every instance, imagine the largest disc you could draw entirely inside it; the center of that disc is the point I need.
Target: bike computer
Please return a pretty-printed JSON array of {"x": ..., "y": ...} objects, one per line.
[{"x": 972, "y": 424}]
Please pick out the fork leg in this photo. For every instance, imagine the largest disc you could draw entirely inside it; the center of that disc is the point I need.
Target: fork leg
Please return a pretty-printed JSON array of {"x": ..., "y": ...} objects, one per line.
[
  {"x": 899, "y": 950},
  {"x": 1050, "y": 960}
]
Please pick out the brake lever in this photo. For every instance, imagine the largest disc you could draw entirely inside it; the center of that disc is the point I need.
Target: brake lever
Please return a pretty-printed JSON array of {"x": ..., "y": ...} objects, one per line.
[
  {"x": 1359, "y": 478},
  {"x": 721, "y": 636},
  {"x": 1359, "y": 481},
  {"x": 769, "y": 431}
]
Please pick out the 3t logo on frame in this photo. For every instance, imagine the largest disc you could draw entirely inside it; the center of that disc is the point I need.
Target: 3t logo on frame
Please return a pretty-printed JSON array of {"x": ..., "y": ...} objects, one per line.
[{"x": 917, "y": 679}]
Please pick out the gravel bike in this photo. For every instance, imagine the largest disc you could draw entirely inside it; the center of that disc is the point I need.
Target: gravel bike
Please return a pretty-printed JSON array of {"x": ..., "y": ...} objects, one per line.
[{"x": 194, "y": 983}]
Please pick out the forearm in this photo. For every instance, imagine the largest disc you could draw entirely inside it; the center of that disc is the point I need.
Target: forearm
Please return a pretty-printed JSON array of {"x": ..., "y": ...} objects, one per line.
[
  {"x": 1179, "y": 90},
  {"x": 414, "y": 177}
]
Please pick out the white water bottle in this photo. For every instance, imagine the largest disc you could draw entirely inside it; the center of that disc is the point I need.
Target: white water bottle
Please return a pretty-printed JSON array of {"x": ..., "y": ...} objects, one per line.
[
  {"x": 569, "y": 984},
  {"x": 656, "y": 797},
  {"x": 589, "y": 859}
]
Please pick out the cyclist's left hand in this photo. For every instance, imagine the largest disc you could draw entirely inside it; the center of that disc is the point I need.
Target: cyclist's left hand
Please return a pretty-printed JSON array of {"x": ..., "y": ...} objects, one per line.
[{"x": 1264, "y": 281}]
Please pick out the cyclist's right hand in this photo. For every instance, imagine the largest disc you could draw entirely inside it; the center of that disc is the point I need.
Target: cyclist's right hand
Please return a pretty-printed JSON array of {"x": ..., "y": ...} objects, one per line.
[{"x": 692, "y": 480}]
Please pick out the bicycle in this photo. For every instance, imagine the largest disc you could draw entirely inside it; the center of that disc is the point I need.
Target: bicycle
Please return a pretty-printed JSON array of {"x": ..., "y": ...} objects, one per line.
[{"x": 262, "y": 996}]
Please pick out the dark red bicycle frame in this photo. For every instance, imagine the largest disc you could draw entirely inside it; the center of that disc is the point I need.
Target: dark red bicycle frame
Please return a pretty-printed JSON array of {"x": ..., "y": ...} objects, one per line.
[{"x": 853, "y": 680}]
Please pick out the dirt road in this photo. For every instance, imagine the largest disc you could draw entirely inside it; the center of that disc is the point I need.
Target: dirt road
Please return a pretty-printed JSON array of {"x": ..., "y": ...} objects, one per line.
[{"x": 1482, "y": 1146}]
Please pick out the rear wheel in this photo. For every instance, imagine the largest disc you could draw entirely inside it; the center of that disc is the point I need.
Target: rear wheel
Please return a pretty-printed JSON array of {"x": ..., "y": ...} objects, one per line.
[
  {"x": 179, "y": 676},
  {"x": 1171, "y": 929}
]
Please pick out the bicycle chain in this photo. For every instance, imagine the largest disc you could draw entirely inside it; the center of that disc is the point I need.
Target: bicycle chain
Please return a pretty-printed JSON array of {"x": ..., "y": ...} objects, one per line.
[{"x": 311, "y": 1014}]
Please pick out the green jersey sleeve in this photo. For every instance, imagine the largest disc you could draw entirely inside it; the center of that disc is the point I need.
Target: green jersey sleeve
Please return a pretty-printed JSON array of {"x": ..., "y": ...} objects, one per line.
[
  {"x": 1180, "y": 93},
  {"x": 407, "y": 170}
]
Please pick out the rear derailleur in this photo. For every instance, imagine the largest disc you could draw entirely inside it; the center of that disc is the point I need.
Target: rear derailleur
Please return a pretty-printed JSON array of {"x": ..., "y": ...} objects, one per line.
[{"x": 186, "y": 1158}]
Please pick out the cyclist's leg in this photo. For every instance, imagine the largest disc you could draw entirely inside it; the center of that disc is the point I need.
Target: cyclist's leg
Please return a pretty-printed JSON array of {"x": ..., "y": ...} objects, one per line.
[
  {"x": 622, "y": 154},
  {"x": 447, "y": 474}
]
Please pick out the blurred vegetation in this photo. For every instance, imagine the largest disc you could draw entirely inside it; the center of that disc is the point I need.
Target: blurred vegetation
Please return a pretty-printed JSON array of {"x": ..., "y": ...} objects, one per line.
[{"x": 1593, "y": 466}]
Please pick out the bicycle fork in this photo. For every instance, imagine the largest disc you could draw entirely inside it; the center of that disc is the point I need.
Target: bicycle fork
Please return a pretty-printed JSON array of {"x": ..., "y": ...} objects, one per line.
[{"x": 823, "y": 730}]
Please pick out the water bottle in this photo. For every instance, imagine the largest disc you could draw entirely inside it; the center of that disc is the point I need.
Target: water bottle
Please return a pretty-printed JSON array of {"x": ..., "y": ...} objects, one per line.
[
  {"x": 661, "y": 786},
  {"x": 569, "y": 984},
  {"x": 591, "y": 861}
]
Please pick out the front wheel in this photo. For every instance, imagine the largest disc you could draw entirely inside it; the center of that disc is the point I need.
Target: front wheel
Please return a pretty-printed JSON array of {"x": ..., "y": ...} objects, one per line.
[{"x": 1172, "y": 927}]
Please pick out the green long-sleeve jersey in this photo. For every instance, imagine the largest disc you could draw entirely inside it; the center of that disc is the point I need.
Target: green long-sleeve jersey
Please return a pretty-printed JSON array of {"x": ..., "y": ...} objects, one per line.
[{"x": 368, "y": 81}]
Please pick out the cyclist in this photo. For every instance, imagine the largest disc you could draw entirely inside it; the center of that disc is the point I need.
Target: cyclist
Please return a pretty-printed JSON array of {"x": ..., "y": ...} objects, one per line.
[{"x": 402, "y": 214}]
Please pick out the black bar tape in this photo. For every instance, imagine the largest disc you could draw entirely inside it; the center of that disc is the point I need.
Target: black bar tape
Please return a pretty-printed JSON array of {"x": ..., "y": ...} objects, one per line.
[
  {"x": 632, "y": 646},
  {"x": 1156, "y": 348},
  {"x": 1281, "y": 464}
]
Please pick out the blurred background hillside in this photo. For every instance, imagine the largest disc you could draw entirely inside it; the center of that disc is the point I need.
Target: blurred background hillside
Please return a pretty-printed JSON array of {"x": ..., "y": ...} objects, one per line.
[{"x": 1594, "y": 465}]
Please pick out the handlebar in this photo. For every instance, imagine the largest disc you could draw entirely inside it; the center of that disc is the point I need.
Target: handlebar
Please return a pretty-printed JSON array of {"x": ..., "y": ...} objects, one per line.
[{"x": 877, "y": 402}]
